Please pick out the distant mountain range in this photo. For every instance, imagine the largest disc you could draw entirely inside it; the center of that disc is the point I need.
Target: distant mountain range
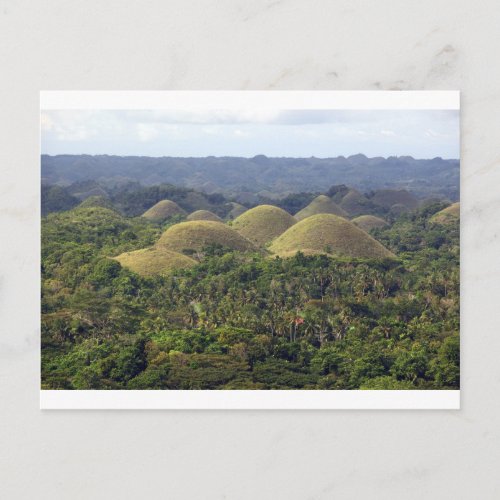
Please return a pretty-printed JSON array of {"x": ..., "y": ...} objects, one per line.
[{"x": 261, "y": 175}]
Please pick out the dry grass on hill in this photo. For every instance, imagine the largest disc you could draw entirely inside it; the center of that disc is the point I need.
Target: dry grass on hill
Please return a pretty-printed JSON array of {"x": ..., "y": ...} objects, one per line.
[
  {"x": 354, "y": 203},
  {"x": 328, "y": 234},
  {"x": 447, "y": 215},
  {"x": 369, "y": 222},
  {"x": 154, "y": 261},
  {"x": 203, "y": 215},
  {"x": 321, "y": 205},
  {"x": 193, "y": 236},
  {"x": 163, "y": 210},
  {"x": 263, "y": 223}
]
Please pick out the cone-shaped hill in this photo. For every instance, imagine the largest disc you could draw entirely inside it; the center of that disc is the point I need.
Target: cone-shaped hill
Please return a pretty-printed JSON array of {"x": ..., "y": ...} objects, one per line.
[
  {"x": 369, "y": 222},
  {"x": 163, "y": 210},
  {"x": 235, "y": 211},
  {"x": 355, "y": 203},
  {"x": 263, "y": 223},
  {"x": 328, "y": 234},
  {"x": 321, "y": 205},
  {"x": 154, "y": 261},
  {"x": 203, "y": 215},
  {"x": 448, "y": 215},
  {"x": 193, "y": 236},
  {"x": 96, "y": 201}
]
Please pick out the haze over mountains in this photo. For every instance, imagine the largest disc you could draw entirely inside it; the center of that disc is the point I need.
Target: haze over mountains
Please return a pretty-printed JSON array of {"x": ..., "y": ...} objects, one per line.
[{"x": 261, "y": 175}]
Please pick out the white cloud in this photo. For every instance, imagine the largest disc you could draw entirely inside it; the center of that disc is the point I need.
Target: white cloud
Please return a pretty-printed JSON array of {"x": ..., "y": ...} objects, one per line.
[
  {"x": 147, "y": 132},
  {"x": 250, "y": 131},
  {"x": 434, "y": 134},
  {"x": 211, "y": 130},
  {"x": 241, "y": 133}
]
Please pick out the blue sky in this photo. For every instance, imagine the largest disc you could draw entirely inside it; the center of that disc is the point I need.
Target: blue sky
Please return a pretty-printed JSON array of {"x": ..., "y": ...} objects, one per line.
[{"x": 293, "y": 133}]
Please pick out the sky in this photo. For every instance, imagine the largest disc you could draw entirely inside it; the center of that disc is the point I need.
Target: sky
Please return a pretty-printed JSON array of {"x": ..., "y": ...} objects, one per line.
[{"x": 291, "y": 133}]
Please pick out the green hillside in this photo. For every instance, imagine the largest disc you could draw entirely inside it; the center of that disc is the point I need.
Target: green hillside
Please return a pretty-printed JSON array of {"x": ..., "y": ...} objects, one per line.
[
  {"x": 96, "y": 201},
  {"x": 121, "y": 311}
]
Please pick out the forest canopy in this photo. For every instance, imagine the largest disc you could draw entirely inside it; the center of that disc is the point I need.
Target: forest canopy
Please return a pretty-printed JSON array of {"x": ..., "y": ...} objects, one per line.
[{"x": 244, "y": 320}]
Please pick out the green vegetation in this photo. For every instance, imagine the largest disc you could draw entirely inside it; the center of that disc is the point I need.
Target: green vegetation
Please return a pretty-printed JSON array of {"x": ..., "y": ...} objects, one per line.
[
  {"x": 122, "y": 310},
  {"x": 163, "y": 210},
  {"x": 56, "y": 199},
  {"x": 321, "y": 205},
  {"x": 278, "y": 176},
  {"x": 263, "y": 223},
  {"x": 97, "y": 201},
  {"x": 369, "y": 222},
  {"x": 331, "y": 235},
  {"x": 203, "y": 215}
]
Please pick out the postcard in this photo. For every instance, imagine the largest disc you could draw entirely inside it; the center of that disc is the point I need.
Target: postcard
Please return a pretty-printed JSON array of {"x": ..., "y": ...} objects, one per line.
[{"x": 250, "y": 250}]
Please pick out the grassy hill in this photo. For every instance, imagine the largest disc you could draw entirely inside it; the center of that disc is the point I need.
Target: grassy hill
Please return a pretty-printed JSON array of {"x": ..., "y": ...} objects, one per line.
[
  {"x": 321, "y": 205},
  {"x": 203, "y": 215},
  {"x": 328, "y": 234},
  {"x": 263, "y": 223},
  {"x": 447, "y": 215},
  {"x": 163, "y": 210},
  {"x": 154, "y": 261},
  {"x": 193, "y": 236},
  {"x": 369, "y": 222},
  {"x": 355, "y": 203}
]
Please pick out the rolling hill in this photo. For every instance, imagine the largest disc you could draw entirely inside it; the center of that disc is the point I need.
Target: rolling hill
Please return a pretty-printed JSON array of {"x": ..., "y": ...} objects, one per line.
[
  {"x": 321, "y": 205},
  {"x": 448, "y": 215},
  {"x": 203, "y": 215},
  {"x": 163, "y": 210},
  {"x": 154, "y": 261},
  {"x": 331, "y": 235},
  {"x": 263, "y": 223},
  {"x": 424, "y": 177},
  {"x": 193, "y": 236},
  {"x": 355, "y": 203},
  {"x": 96, "y": 201},
  {"x": 369, "y": 222}
]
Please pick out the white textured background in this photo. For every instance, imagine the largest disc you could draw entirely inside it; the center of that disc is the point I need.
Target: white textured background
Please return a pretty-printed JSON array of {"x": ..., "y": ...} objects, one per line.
[{"x": 249, "y": 44}]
